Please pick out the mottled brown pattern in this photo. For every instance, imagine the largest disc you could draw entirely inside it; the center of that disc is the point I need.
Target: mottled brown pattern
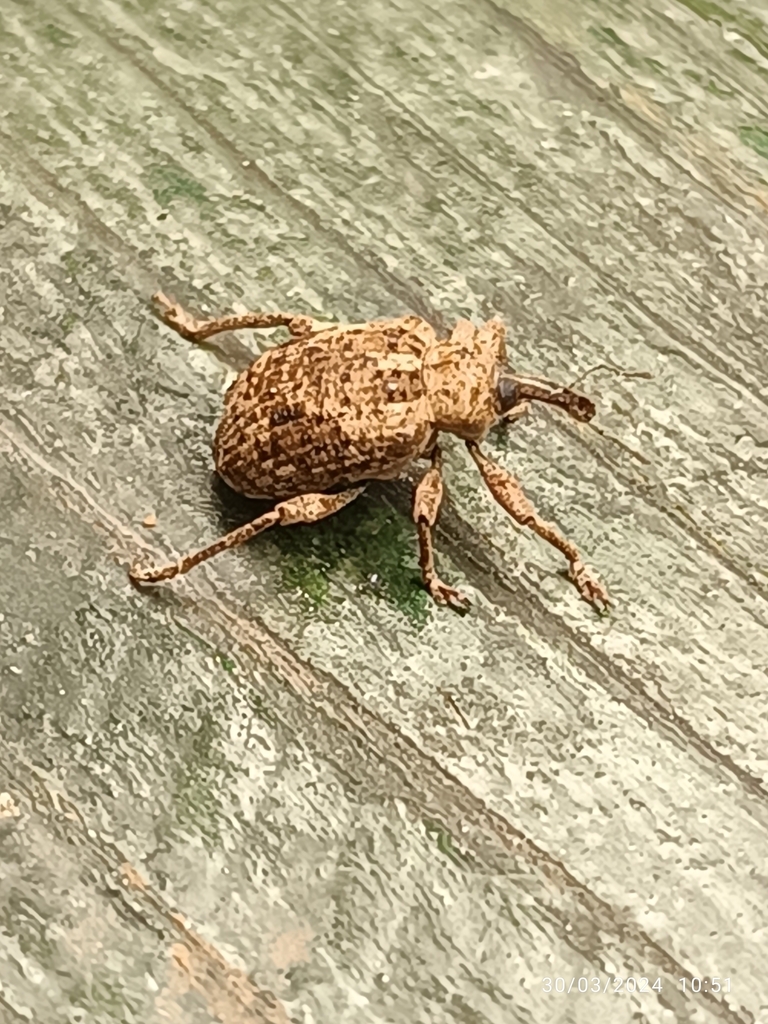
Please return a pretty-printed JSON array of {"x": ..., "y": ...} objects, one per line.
[
  {"x": 336, "y": 406},
  {"x": 461, "y": 374},
  {"x": 339, "y": 405}
]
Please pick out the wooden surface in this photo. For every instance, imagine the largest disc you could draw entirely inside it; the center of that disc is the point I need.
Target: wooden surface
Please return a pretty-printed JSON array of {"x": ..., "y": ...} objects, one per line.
[{"x": 287, "y": 787}]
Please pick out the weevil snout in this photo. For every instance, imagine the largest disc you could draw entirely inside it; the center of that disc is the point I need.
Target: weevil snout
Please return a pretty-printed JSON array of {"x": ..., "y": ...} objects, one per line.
[
  {"x": 507, "y": 394},
  {"x": 512, "y": 389}
]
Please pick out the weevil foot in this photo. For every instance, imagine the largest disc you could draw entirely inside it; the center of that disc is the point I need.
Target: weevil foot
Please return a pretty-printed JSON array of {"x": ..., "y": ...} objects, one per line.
[
  {"x": 590, "y": 588},
  {"x": 142, "y": 573},
  {"x": 441, "y": 593},
  {"x": 177, "y": 317}
]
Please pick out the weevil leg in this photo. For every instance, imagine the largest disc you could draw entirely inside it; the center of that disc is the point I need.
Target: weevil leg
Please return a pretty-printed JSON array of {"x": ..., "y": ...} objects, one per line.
[
  {"x": 307, "y": 508},
  {"x": 507, "y": 491},
  {"x": 192, "y": 329},
  {"x": 427, "y": 496}
]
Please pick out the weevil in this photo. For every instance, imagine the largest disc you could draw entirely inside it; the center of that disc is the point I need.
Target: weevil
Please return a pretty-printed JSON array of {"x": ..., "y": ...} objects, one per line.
[{"x": 311, "y": 421}]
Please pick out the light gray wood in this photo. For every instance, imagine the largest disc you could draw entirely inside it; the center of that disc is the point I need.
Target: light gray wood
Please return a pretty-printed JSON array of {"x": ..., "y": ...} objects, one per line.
[{"x": 287, "y": 787}]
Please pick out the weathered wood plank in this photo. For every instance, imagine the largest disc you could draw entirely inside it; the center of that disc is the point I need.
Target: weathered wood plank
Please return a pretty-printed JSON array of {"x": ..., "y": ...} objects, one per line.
[{"x": 377, "y": 810}]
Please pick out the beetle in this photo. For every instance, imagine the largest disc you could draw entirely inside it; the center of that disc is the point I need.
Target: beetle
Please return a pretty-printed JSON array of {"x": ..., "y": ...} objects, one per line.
[{"x": 312, "y": 420}]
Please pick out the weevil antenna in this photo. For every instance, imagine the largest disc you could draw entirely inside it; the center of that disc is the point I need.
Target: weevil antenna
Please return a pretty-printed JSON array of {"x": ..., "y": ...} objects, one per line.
[
  {"x": 615, "y": 371},
  {"x": 539, "y": 389}
]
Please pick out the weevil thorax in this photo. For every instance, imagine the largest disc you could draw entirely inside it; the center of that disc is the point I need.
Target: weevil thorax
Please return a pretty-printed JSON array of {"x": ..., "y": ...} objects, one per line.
[{"x": 460, "y": 374}]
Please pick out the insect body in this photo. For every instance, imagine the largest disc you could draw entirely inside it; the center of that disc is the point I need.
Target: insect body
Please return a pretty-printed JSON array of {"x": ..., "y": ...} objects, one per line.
[{"x": 310, "y": 421}]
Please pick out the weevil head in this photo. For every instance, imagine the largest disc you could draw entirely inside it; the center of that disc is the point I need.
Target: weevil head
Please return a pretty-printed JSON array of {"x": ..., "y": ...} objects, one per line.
[{"x": 462, "y": 375}]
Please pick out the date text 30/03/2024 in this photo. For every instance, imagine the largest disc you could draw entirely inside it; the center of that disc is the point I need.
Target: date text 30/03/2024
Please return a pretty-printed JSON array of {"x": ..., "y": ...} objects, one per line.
[{"x": 615, "y": 985}]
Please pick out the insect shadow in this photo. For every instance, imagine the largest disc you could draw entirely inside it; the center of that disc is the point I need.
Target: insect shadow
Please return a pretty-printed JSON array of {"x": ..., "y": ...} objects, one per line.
[{"x": 368, "y": 540}]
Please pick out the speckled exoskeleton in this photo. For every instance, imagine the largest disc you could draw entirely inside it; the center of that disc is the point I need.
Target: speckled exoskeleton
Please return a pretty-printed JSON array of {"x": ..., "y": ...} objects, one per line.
[{"x": 310, "y": 421}]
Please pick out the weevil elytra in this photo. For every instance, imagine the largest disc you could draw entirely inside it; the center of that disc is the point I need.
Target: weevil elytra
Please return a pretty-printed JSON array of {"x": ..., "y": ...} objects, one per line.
[{"x": 311, "y": 421}]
